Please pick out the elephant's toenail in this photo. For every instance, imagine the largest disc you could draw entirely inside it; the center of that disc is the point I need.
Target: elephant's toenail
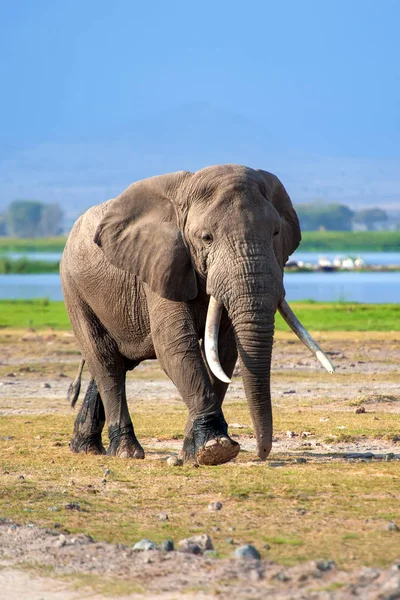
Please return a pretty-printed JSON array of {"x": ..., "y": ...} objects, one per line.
[
  {"x": 210, "y": 443},
  {"x": 224, "y": 441}
]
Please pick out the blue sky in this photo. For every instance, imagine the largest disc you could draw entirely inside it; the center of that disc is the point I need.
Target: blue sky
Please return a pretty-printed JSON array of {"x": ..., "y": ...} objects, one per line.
[{"x": 320, "y": 77}]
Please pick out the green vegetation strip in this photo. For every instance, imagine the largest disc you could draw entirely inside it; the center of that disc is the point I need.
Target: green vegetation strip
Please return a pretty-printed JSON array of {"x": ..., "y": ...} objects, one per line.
[
  {"x": 51, "y": 244},
  {"x": 335, "y": 509},
  {"x": 337, "y": 241},
  {"x": 350, "y": 241},
  {"x": 317, "y": 316},
  {"x": 26, "y": 266}
]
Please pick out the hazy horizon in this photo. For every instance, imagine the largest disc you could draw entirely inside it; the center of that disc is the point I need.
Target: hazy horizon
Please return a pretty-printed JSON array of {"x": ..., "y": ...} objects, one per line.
[{"x": 98, "y": 95}]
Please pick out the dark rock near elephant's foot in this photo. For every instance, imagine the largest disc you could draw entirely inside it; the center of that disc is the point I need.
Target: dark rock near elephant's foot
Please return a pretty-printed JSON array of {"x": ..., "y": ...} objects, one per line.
[
  {"x": 208, "y": 443},
  {"x": 81, "y": 444},
  {"x": 124, "y": 443}
]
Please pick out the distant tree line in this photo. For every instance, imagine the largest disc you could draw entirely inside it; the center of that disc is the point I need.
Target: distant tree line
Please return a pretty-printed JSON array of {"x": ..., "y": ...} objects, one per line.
[
  {"x": 34, "y": 219},
  {"x": 338, "y": 217},
  {"x": 31, "y": 219}
]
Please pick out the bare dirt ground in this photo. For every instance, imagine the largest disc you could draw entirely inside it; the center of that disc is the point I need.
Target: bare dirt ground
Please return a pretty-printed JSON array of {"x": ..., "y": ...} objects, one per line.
[{"x": 35, "y": 370}]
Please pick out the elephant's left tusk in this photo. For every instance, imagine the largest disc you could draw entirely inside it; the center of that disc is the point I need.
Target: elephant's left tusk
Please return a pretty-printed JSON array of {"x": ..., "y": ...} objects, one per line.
[
  {"x": 211, "y": 339},
  {"x": 304, "y": 336}
]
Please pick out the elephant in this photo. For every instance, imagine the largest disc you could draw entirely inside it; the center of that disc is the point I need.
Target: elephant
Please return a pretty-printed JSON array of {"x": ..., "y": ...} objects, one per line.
[{"x": 185, "y": 267}]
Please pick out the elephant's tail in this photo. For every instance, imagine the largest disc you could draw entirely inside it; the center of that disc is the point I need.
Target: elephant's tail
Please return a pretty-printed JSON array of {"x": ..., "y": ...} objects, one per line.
[{"x": 75, "y": 387}]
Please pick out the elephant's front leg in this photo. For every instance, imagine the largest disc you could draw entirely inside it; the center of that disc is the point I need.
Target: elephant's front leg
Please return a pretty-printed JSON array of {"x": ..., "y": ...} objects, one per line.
[{"x": 178, "y": 350}]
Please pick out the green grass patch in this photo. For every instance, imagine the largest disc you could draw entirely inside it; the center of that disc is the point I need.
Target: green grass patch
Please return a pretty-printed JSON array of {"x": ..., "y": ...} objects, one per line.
[
  {"x": 348, "y": 241},
  {"x": 344, "y": 316},
  {"x": 39, "y": 313},
  {"x": 317, "y": 316},
  {"x": 337, "y": 510},
  {"x": 51, "y": 244}
]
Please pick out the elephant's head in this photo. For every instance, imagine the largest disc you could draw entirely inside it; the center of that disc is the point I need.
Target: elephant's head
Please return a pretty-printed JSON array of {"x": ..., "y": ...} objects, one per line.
[{"x": 232, "y": 227}]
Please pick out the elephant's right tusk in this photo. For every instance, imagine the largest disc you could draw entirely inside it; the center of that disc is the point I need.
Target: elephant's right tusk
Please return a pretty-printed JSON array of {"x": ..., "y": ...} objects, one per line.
[
  {"x": 211, "y": 339},
  {"x": 304, "y": 336}
]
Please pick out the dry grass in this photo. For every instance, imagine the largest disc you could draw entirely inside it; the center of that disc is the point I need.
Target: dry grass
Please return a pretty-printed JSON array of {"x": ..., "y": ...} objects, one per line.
[
  {"x": 333, "y": 509},
  {"x": 325, "y": 508}
]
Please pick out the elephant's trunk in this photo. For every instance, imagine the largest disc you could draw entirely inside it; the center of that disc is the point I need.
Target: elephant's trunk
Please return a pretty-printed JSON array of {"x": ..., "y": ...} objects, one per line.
[{"x": 254, "y": 336}]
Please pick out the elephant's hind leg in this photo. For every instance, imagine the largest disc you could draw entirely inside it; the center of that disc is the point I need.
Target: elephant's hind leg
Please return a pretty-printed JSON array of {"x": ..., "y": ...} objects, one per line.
[
  {"x": 106, "y": 396},
  {"x": 89, "y": 423}
]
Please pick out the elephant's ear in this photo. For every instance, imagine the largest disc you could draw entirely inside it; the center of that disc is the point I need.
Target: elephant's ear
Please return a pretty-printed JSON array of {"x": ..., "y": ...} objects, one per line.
[
  {"x": 289, "y": 237},
  {"x": 139, "y": 234}
]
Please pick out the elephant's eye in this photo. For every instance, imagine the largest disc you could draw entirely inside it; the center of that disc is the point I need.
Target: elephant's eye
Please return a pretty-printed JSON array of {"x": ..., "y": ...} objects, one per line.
[
  {"x": 276, "y": 232},
  {"x": 207, "y": 237}
]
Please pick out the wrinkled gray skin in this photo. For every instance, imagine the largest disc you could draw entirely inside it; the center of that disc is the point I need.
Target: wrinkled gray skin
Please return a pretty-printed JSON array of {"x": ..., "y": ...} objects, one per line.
[{"x": 137, "y": 272}]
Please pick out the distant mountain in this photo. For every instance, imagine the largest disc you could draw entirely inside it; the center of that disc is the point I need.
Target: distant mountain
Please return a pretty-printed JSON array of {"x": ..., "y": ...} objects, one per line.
[{"x": 78, "y": 173}]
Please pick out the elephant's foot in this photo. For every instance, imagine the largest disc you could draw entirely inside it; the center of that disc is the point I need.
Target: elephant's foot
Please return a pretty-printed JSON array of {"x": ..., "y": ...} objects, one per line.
[
  {"x": 87, "y": 444},
  {"x": 218, "y": 451},
  {"x": 124, "y": 443},
  {"x": 207, "y": 441}
]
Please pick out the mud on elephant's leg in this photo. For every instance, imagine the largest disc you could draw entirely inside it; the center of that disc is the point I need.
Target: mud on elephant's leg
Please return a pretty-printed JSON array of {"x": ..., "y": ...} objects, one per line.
[
  {"x": 207, "y": 441},
  {"x": 89, "y": 423},
  {"x": 123, "y": 441}
]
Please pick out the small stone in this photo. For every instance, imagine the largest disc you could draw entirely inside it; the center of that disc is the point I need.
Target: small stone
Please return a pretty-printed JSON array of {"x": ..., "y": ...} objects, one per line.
[
  {"x": 72, "y": 506},
  {"x": 391, "y": 526},
  {"x": 53, "y": 508},
  {"x": 306, "y": 434},
  {"x": 144, "y": 544},
  {"x": 11, "y": 375},
  {"x": 21, "y": 477},
  {"x": 290, "y": 392},
  {"x": 162, "y": 517},
  {"x": 167, "y": 546},
  {"x": 215, "y": 505},
  {"x": 301, "y": 460},
  {"x": 325, "y": 565},
  {"x": 189, "y": 548},
  {"x": 276, "y": 464},
  {"x": 267, "y": 547},
  {"x": 203, "y": 542},
  {"x": 247, "y": 552},
  {"x": 281, "y": 576},
  {"x": 229, "y": 540},
  {"x": 389, "y": 456},
  {"x": 61, "y": 541},
  {"x": 360, "y": 410},
  {"x": 46, "y": 385},
  {"x": 174, "y": 461},
  {"x": 290, "y": 434}
]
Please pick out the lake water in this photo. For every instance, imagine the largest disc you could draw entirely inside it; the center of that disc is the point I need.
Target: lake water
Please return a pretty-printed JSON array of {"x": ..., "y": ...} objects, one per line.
[
  {"x": 349, "y": 286},
  {"x": 370, "y": 258}
]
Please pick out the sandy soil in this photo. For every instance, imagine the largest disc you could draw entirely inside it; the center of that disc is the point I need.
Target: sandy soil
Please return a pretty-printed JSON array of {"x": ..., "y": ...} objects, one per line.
[{"x": 30, "y": 361}]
